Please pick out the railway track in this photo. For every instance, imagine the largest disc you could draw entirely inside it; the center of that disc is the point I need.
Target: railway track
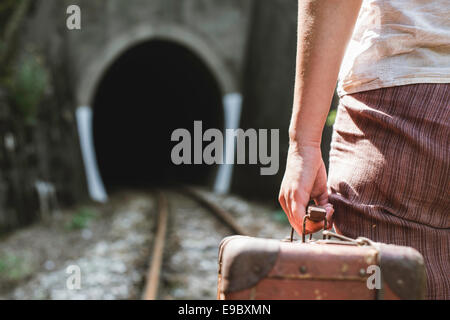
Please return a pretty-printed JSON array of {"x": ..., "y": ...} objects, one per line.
[{"x": 194, "y": 253}]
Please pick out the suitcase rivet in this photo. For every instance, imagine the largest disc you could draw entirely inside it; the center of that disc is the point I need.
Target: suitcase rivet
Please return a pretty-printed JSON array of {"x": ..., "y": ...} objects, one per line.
[
  {"x": 302, "y": 269},
  {"x": 362, "y": 272}
]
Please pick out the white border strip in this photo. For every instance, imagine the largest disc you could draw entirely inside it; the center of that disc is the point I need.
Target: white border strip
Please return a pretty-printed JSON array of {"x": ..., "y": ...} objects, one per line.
[
  {"x": 94, "y": 181},
  {"x": 232, "y": 105}
]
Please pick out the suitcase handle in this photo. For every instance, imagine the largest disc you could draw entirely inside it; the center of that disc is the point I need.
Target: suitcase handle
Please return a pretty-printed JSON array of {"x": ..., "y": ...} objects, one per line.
[
  {"x": 360, "y": 241},
  {"x": 313, "y": 213}
]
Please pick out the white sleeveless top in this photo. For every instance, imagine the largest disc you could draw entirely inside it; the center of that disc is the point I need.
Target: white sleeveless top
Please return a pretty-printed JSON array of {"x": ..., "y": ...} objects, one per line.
[{"x": 397, "y": 42}]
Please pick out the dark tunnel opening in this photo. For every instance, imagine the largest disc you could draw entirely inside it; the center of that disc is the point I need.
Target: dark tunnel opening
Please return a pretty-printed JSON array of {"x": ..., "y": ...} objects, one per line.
[{"x": 148, "y": 92}]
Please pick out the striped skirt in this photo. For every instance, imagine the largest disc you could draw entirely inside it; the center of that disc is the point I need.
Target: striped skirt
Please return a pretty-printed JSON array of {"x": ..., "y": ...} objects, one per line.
[{"x": 390, "y": 172}]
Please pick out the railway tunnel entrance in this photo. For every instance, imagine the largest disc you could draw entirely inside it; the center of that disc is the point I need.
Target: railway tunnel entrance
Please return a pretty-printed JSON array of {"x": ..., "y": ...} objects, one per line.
[{"x": 152, "y": 89}]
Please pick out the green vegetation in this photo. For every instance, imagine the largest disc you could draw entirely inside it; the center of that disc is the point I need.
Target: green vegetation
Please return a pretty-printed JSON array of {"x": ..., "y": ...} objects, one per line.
[
  {"x": 13, "y": 267},
  {"x": 81, "y": 219},
  {"x": 27, "y": 87},
  {"x": 25, "y": 78},
  {"x": 331, "y": 118}
]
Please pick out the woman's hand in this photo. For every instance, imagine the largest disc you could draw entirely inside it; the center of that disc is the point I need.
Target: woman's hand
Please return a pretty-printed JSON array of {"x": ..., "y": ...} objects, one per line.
[
  {"x": 320, "y": 49},
  {"x": 305, "y": 178}
]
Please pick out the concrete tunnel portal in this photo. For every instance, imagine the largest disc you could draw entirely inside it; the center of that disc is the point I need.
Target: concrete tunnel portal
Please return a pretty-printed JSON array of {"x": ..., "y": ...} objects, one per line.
[{"x": 150, "y": 90}]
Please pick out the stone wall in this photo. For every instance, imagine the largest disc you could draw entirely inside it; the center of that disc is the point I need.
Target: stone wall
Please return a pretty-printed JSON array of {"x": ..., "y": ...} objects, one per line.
[
  {"x": 221, "y": 24},
  {"x": 39, "y": 158},
  {"x": 40, "y": 162}
]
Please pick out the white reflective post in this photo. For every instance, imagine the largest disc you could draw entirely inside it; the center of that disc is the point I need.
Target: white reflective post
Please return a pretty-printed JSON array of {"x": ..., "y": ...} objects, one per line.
[
  {"x": 94, "y": 181},
  {"x": 232, "y": 103}
]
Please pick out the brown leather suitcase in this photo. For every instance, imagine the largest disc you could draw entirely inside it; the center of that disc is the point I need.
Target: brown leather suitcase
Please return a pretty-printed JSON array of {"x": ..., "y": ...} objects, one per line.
[{"x": 260, "y": 269}]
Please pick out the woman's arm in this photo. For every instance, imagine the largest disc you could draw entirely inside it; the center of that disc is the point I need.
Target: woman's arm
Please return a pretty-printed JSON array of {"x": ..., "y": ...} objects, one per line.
[{"x": 324, "y": 29}]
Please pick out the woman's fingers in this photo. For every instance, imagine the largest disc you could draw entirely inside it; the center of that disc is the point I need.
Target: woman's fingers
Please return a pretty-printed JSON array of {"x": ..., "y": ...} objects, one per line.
[
  {"x": 293, "y": 208},
  {"x": 321, "y": 195},
  {"x": 330, "y": 210},
  {"x": 298, "y": 212},
  {"x": 305, "y": 178},
  {"x": 282, "y": 202},
  {"x": 322, "y": 200},
  {"x": 295, "y": 211}
]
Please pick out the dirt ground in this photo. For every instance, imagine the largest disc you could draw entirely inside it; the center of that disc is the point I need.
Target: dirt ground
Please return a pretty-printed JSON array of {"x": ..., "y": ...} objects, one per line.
[{"x": 110, "y": 245}]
